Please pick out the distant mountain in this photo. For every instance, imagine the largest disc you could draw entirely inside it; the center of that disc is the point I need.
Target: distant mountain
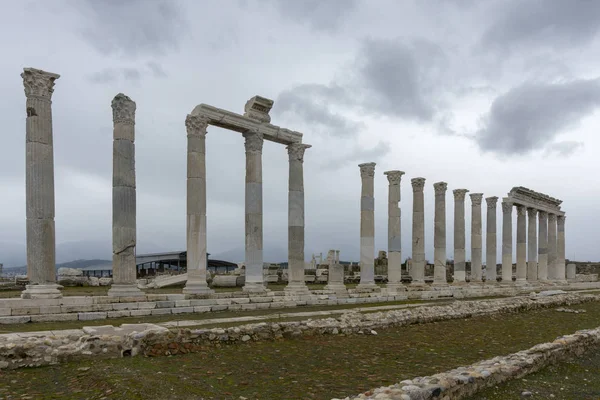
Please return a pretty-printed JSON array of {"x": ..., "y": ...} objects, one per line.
[{"x": 22, "y": 270}]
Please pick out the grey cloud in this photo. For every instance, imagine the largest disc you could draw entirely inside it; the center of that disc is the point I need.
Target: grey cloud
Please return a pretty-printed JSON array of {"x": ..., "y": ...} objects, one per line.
[
  {"x": 321, "y": 15},
  {"x": 530, "y": 116},
  {"x": 359, "y": 154},
  {"x": 156, "y": 69},
  {"x": 110, "y": 75},
  {"x": 564, "y": 148}
]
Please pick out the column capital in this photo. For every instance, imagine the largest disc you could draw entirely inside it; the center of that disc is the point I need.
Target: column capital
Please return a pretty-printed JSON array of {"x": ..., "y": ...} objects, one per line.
[
  {"x": 123, "y": 109},
  {"x": 367, "y": 170},
  {"x": 296, "y": 151},
  {"x": 417, "y": 184},
  {"x": 440, "y": 187},
  {"x": 532, "y": 212},
  {"x": 561, "y": 219},
  {"x": 459, "y": 194},
  {"x": 521, "y": 210},
  {"x": 476, "y": 198},
  {"x": 551, "y": 217},
  {"x": 542, "y": 214},
  {"x": 196, "y": 125},
  {"x": 394, "y": 177},
  {"x": 254, "y": 141},
  {"x": 491, "y": 201},
  {"x": 38, "y": 83}
]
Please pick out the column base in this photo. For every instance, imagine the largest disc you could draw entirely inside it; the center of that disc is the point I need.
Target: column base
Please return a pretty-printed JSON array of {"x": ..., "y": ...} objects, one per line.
[
  {"x": 297, "y": 288},
  {"x": 336, "y": 287},
  {"x": 197, "y": 288},
  {"x": 367, "y": 286},
  {"x": 254, "y": 287},
  {"x": 125, "y": 291},
  {"x": 45, "y": 291}
]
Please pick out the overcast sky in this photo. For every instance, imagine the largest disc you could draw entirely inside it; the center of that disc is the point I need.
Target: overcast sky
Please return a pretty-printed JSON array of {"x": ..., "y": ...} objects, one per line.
[{"x": 484, "y": 95}]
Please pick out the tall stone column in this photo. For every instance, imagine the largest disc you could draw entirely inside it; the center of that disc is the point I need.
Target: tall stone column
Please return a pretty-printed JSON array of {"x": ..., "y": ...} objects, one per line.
[
  {"x": 560, "y": 249},
  {"x": 418, "y": 231},
  {"x": 532, "y": 242},
  {"x": 491, "y": 240},
  {"x": 543, "y": 246},
  {"x": 459, "y": 235},
  {"x": 552, "y": 248},
  {"x": 394, "y": 231},
  {"x": 196, "y": 126},
  {"x": 507, "y": 242},
  {"x": 367, "y": 227},
  {"x": 476, "y": 241},
  {"x": 296, "y": 219},
  {"x": 39, "y": 179},
  {"x": 439, "y": 237},
  {"x": 254, "y": 212},
  {"x": 521, "y": 244},
  {"x": 124, "y": 199}
]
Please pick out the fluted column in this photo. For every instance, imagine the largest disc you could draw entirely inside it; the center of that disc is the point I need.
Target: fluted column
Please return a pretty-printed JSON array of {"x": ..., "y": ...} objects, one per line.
[
  {"x": 296, "y": 218},
  {"x": 196, "y": 126},
  {"x": 543, "y": 246},
  {"x": 418, "y": 231},
  {"x": 459, "y": 235},
  {"x": 476, "y": 241},
  {"x": 367, "y": 227},
  {"x": 521, "y": 244},
  {"x": 552, "y": 248},
  {"x": 124, "y": 198},
  {"x": 491, "y": 240},
  {"x": 532, "y": 243},
  {"x": 439, "y": 236},
  {"x": 39, "y": 185},
  {"x": 560, "y": 249},
  {"x": 507, "y": 242},
  {"x": 394, "y": 230}
]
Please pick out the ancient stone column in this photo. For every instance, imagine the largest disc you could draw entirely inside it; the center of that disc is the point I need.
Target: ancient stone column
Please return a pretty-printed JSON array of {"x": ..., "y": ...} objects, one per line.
[
  {"x": 521, "y": 244},
  {"x": 476, "y": 241},
  {"x": 507, "y": 242},
  {"x": 39, "y": 178},
  {"x": 459, "y": 235},
  {"x": 491, "y": 240},
  {"x": 335, "y": 279},
  {"x": 560, "y": 249},
  {"x": 196, "y": 126},
  {"x": 552, "y": 248},
  {"x": 418, "y": 231},
  {"x": 296, "y": 219},
  {"x": 394, "y": 231},
  {"x": 532, "y": 243},
  {"x": 543, "y": 246},
  {"x": 124, "y": 198},
  {"x": 254, "y": 212},
  {"x": 367, "y": 227},
  {"x": 571, "y": 272},
  {"x": 439, "y": 236}
]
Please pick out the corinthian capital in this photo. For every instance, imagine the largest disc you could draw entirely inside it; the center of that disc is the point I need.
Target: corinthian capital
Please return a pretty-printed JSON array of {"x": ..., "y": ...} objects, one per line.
[
  {"x": 542, "y": 215},
  {"x": 296, "y": 151},
  {"x": 459, "y": 194},
  {"x": 521, "y": 210},
  {"x": 394, "y": 177},
  {"x": 367, "y": 170},
  {"x": 507, "y": 207},
  {"x": 476, "y": 199},
  {"x": 551, "y": 217},
  {"x": 254, "y": 141},
  {"x": 38, "y": 83},
  {"x": 532, "y": 212},
  {"x": 123, "y": 109},
  {"x": 196, "y": 124},
  {"x": 491, "y": 202},
  {"x": 560, "y": 219},
  {"x": 417, "y": 184},
  {"x": 440, "y": 187}
]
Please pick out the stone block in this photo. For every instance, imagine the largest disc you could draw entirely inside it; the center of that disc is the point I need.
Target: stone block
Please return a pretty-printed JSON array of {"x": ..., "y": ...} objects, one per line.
[
  {"x": 222, "y": 307},
  {"x": 261, "y": 299},
  {"x": 203, "y": 302},
  {"x": 165, "y": 304},
  {"x": 50, "y": 310},
  {"x": 159, "y": 311},
  {"x": 248, "y": 306},
  {"x": 105, "y": 300},
  {"x": 15, "y": 320},
  {"x": 240, "y": 300},
  {"x": 76, "y": 301},
  {"x": 156, "y": 297},
  {"x": 182, "y": 310},
  {"x": 175, "y": 297},
  {"x": 202, "y": 309},
  {"x": 183, "y": 303},
  {"x": 89, "y": 316},
  {"x": 118, "y": 314},
  {"x": 142, "y": 312},
  {"x": 54, "y": 317},
  {"x": 131, "y": 299},
  {"x": 235, "y": 307},
  {"x": 146, "y": 305},
  {"x": 75, "y": 309},
  {"x": 263, "y": 306},
  {"x": 4, "y": 312},
  {"x": 223, "y": 301},
  {"x": 102, "y": 307}
]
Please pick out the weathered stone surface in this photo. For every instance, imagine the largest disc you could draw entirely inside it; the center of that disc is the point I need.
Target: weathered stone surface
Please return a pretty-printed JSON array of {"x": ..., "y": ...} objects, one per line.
[
  {"x": 439, "y": 235},
  {"x": 476, "y": 237},
  {"x": 418, "y": 231},
  {"x": 507, "y": 242},
  {"x": 459, "y": 235},
  {"x": 491, "y": 240}
]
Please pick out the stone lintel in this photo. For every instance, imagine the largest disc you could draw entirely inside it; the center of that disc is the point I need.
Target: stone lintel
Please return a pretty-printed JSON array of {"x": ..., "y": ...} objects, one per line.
[
  {"x": 258, "y": 108},
  {"x": 533, "y": 197},
  {"x": 528, "y": 204}
]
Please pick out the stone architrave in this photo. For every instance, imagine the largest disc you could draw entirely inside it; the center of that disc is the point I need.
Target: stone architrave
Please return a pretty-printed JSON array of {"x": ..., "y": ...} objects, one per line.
[
  {"x": 552, "y": 248},
  {"x": 491, "y": 240},
  {"x": 39, "y": 178},
  {"x": 543, "y": 246},
  {"x": 521, "y": 244},
  {"x": 394, "y": 231},
  {"x": 459, "y": 235},
  {"x": 196, "y": 127},
  {"x": 296, "y": 220},
  {"x": 367, "y": 227},
  {"x": 418, "y": 231},
  {"x": 507, "y": 242},
  {"x": 560, "y": 249},
  {"x": 254, "y": 212},
  {"x": 124, "y": 199},
  {"x": 439, "y": 237},
  {"x": 532, "y": 243},
  {"x": 476, "y": 240}
]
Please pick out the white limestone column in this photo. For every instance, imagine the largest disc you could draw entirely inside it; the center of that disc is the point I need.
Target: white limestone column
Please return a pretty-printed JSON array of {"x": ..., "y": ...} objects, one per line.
[
  {"x": 552, "y": 248},
  {"x": 254, "y": 212},
  {"x": 394, "y": 231},
  {"x": 418, "y": 231},
  {"x": 39, "y": 186},
  {"x": 459, "y": 235},
  {"x": 476, "y": 241},
  {"x": 491, "y": 240},
  {"x": 560, "y": 249},
  {"x": 196, "y": 126},
  {"x": 532, "y": 243},
  {"x": 521, "y": 244},
  {"x": 507, "y": 242},
  {"x": 367, "y": 227},
  {"x": 296, "y": 282},
  {"x": 124, "y": 199},
  {"x": 439, "y": 237},
  {"x": 543, "y": 246}
]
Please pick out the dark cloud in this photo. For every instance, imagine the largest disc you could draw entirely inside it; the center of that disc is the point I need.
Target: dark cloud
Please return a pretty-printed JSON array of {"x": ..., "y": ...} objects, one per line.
[
  {"x": 358, "y": 155},
  {"x": 565, "y": 148},
  {"x": 321, "y": 15},
  {"x": 530, "y": 116},
  {"x": 156, "y": 69}
]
